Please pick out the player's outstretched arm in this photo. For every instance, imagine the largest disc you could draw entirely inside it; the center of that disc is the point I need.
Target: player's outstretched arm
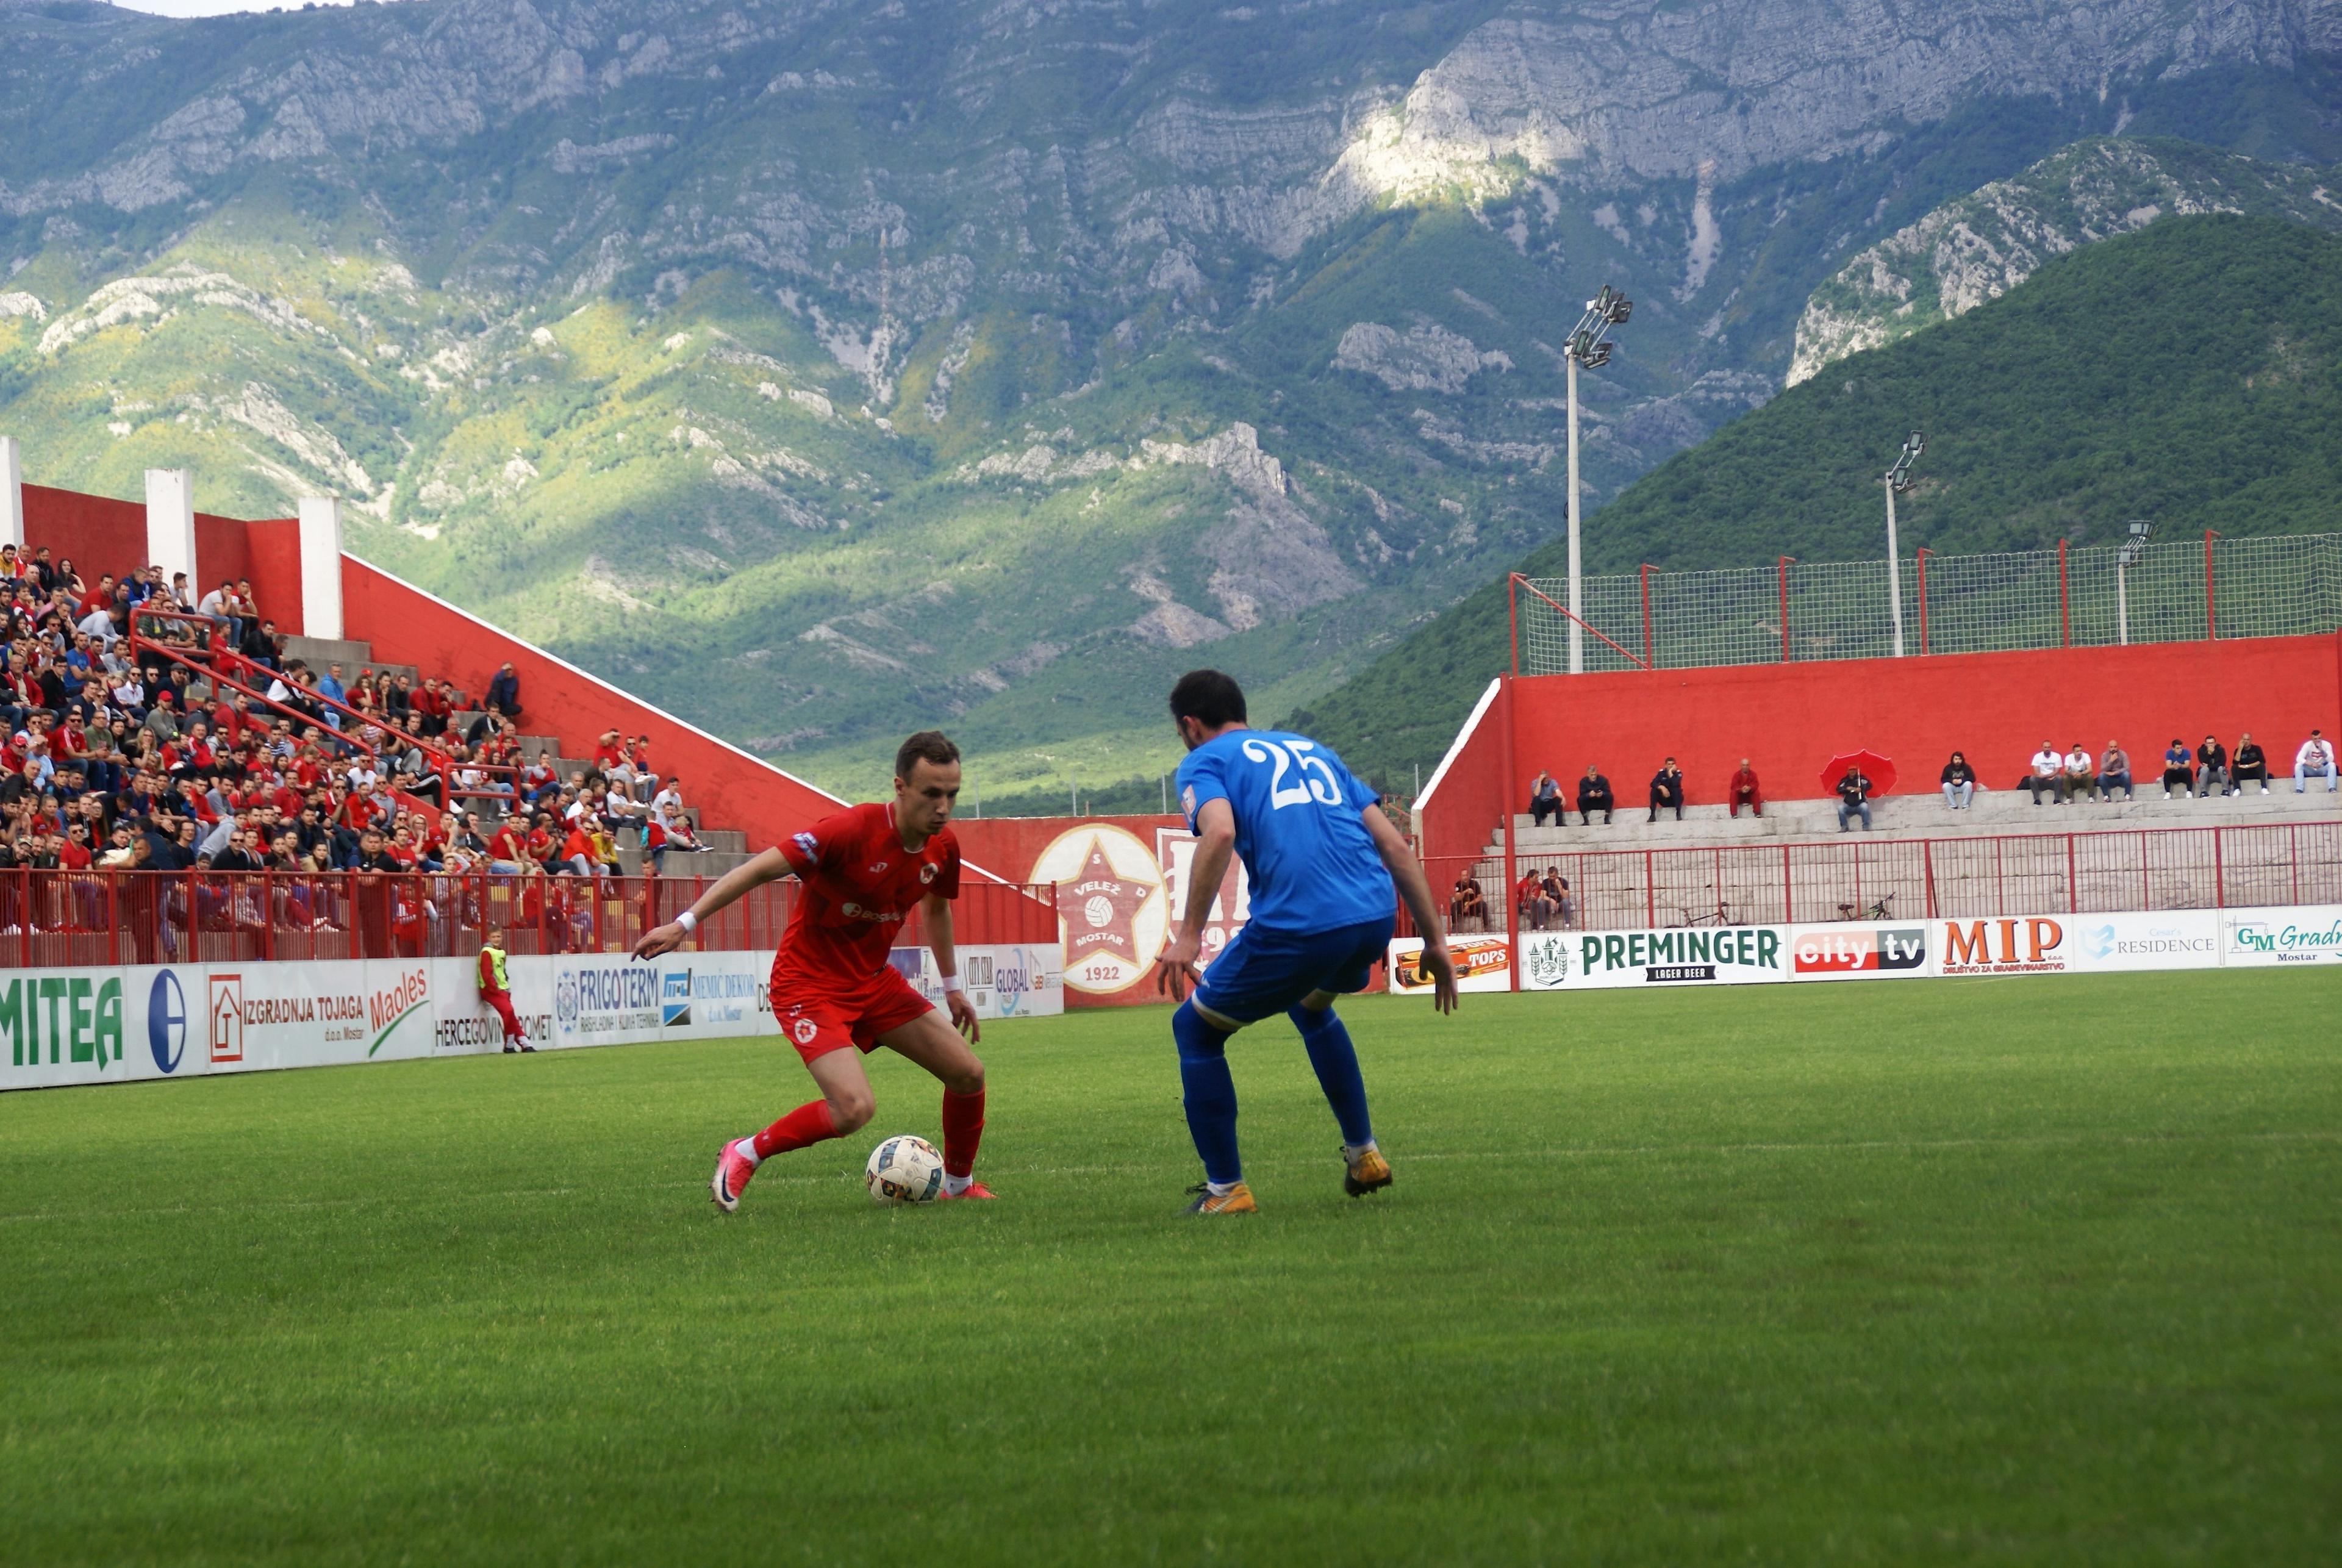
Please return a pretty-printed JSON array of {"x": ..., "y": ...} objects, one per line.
[
  {"x": 935, "y": 914},
  {"x": 1216, "y": 840},
  {"x": 770, "y": 866},
  {"x": 1415, "y": 894}
]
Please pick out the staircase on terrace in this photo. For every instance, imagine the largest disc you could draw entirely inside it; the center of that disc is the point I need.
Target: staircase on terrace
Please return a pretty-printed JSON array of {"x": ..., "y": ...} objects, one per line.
[{"x": 726, "y": 847}]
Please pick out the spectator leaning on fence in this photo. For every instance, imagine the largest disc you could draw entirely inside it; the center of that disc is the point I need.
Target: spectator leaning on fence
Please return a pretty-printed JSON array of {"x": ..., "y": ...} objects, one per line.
[
  {"x": 1544, "y": 800},
  {"x": 2048, "y": 773},
  {"x": 2178, "y": 767},
  {"x": 1959, "y": 782},
  {"x": 2315, "y": 757},
  {"x": 2114, "y": 772},
  {"x": 2251, "y": 763},
  {"x": 1746, "y": 790},
  {"x": 1853, "y": 799},
  {"x": 1594, "y": 795},
  {"x": 2211, "y": 768}
]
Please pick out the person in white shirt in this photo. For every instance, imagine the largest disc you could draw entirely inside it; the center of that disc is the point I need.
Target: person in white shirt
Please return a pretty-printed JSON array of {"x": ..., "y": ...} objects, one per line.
[
  {"x": 2316, "y": 757},
  {"x": 2048, "y": 773},
  {"x": 99, "y": 625},
  {"x": 2081, "y": 771},
  {"x": 362, "y": 777}
]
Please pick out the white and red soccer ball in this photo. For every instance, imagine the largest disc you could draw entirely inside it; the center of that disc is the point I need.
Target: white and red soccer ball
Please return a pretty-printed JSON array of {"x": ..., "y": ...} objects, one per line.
[{"x": 905, "y": 1170}]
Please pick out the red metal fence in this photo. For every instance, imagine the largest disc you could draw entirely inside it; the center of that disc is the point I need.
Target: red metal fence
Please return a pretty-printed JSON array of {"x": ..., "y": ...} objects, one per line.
[
  {"x": 1924, "y": 878},
  {"x": 56, "y": 919}
]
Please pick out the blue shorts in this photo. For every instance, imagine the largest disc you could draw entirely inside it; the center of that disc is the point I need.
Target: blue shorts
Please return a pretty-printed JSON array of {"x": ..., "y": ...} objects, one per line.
[{"x": 1263, "y": 973}]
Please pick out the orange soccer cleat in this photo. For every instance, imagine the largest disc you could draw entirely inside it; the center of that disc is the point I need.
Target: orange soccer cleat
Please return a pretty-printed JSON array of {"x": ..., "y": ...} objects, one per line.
[
  {"x": 1236, "y": 1200},
  {"x": 1365, "y": 1173},
  {"x": 972, "y": 1190},
  {"x": 732, "y": 1172}
]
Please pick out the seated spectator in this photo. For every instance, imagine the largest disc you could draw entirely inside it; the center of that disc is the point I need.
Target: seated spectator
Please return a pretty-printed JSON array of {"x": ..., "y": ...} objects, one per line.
[
  {"x": 1529, "y": 900},
  {"x": 2114, "y": 772},
  {"x": 1959, "y": 782},
  {"x": 1593, "y": 795},
  {"x": 1464, "y": 904},
  {"x": 2048, "y": 773},
  {"x": 2178, "y": 767},
  {"x": 2251, "y": 764},
  {"x": 1557, "y": 894},
  {"x": 504, "y": 692},
  {"x": 1853, "y": 799},
  {"x": 2211, "y": 767},
  {"x": 1746, "y": 790},
  {"x": 1544, "y": 799},
  {"x": 2079, "y": 773},
  {"x": 1668, "y": 789},
  {"x": 2315, "y": 757}
]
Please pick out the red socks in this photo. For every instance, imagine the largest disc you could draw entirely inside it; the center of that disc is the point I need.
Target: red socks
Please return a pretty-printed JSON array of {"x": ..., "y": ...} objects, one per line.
[
  {"x": 962, "y": 1129},
  {"x": 809, "y": 1123}
]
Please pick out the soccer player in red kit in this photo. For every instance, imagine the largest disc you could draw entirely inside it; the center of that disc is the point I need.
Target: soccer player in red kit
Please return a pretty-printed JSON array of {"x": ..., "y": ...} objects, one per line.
[{"x": 832, "y": 987}]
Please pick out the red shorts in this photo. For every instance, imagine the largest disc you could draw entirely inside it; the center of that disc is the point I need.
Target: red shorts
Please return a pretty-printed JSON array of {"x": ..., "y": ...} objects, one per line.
[{"x": 821, "y": 1016}]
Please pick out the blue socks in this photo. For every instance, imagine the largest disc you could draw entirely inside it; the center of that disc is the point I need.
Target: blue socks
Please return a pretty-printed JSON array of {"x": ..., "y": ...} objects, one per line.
[
  {"x": 1211, "y": 1093},
  {"x": 1336, "y": 1065}
]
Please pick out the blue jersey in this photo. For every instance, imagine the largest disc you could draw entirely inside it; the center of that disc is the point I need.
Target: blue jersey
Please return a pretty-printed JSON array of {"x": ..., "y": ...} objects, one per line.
[{"x": 1299, "y": 828}]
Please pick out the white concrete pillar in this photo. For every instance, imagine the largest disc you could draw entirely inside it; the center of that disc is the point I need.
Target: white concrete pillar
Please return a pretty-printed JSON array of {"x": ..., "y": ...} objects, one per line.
[
  {"x": 170, "y": 525},
  {"x": 321, "y": 566},
  {"x": 12, "y": 494}
]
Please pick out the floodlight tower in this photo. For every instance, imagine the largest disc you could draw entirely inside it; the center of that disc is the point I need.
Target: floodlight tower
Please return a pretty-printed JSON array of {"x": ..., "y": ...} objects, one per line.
[
  {"x": 2125, "y": 558},
  {"x": 1585, "y": 347},
  {"x": 1899, "y": 479}
]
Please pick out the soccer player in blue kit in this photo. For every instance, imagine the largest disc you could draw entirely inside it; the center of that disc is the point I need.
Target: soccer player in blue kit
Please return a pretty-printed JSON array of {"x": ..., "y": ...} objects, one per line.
[{"x": 1323, "y": 860}]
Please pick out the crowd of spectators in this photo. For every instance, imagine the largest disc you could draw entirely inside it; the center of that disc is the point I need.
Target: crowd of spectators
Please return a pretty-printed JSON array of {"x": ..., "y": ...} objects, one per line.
[{"x": 200, "y": 744}]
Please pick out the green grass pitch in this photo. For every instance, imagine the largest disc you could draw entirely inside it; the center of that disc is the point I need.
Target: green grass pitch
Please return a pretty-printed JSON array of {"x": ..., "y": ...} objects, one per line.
[{"x": 2022, "y": 1271}]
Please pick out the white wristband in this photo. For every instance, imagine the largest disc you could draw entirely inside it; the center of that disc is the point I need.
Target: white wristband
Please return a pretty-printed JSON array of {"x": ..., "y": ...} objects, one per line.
[
  {"x": 951, "y": 985},
  {"x": 688, "y": 921}
]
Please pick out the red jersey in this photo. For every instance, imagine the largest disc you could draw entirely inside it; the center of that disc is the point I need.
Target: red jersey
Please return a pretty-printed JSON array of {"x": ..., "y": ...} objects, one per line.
[{"x": 860, "y": 885}]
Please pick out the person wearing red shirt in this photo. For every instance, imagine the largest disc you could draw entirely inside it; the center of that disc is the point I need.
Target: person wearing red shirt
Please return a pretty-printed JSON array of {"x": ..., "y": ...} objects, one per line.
[
  {"x": 608, "y": 752},
  {"x": 504, "y": 851},
  {"x": 834, "y": 992},
  {"x": 1746, "y": 790},
  {"x": 1530, "y": 902}
]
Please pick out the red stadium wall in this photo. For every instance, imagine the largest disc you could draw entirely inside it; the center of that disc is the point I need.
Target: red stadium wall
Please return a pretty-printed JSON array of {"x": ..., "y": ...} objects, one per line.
[
  {"x": 267, "y": 551},
  {"x": 96, "y": 532},
  {"x": 1467, "y": 795},
  {"x": 1136, "y": 901},
  {"x": 1790, "y": 719},
  {"x": 100, "y": 534},
  {"x": 407, "y": 625}
]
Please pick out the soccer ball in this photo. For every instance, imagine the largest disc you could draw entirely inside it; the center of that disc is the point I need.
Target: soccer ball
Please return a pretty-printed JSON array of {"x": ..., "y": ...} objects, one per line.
[{"x": 905, "y": 1170}]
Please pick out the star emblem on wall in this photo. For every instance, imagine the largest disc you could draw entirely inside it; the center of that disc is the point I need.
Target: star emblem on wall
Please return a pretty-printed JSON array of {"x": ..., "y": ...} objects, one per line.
[{"x": 1100, "y": 908}]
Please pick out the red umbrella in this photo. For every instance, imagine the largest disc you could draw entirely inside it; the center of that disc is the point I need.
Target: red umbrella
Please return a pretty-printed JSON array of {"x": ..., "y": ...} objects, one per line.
[{"x": 1878, "y": 770}]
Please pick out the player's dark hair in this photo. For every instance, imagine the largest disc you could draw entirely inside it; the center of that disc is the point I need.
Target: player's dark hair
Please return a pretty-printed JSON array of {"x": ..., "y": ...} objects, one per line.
[
  {"x": 927, "y": 745},
  {"x": 1209, "y": 697}
]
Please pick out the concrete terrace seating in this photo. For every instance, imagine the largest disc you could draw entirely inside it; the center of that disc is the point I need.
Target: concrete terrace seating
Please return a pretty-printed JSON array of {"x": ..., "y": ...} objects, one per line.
[{"x": 2003, "y": 856}]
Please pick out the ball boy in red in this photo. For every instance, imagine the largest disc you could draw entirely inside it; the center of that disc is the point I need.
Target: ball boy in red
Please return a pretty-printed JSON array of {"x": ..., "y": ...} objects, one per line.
[{"x": 833, "y": 993}]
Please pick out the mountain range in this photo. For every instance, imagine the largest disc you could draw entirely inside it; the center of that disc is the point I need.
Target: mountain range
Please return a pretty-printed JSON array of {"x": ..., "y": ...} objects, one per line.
[{"x": 822, "y": 371}]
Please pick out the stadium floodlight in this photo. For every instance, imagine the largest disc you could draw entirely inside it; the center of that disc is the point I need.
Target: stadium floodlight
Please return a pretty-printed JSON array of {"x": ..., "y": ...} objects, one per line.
[
  {"x": 2133, "y": 547},
  {"x": 1900, "y": 480},
  {"x": 1585, "y": 347}
]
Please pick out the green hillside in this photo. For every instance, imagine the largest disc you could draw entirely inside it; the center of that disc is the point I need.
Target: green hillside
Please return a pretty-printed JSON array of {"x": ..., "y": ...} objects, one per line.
[
  {"x": 819, "y": 373},
  {"x": 2190, "y": 374}
]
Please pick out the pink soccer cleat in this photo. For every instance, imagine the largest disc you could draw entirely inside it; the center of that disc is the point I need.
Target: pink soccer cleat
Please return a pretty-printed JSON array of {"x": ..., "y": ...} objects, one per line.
[
  {"x": 972, "y": 1190},
  {"x": 731, "y": 1179}
]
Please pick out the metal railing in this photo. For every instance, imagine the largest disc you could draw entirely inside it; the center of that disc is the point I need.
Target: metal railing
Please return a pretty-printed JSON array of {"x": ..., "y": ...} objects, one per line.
[
  {"x": 2251, "y": 866},
  {"x": 2267, "y": 586},
  {"x": 59, "y": 919}
]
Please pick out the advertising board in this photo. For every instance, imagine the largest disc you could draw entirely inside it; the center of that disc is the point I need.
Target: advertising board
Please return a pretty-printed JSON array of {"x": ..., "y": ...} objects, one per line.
[
  {"x": 2256, "y": 938},
  {"x": 109, "y": 1025},
  {"x": 1482, "y": 964},
  {"x": 1674, "y": 955}
]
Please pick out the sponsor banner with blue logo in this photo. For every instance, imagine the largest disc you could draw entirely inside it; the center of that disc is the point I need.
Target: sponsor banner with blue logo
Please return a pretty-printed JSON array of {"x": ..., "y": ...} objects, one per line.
[
  {"x": 1001, "y": 980},
  {"x": 2058, "y": 944}
]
